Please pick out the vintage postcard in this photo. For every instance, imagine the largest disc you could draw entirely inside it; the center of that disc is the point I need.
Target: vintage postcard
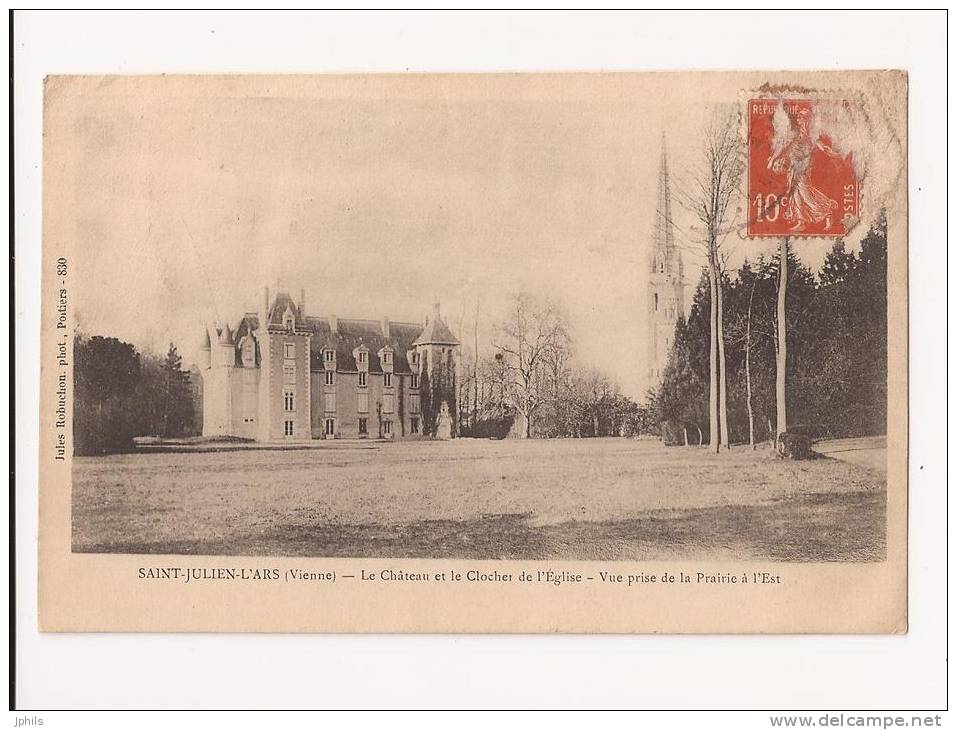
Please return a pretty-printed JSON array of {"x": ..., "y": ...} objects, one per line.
[{"x": 578, "y": 353}]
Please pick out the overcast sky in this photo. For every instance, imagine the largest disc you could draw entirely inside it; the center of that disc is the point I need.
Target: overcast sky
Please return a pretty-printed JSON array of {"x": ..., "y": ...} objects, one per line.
[{"x": 380, "y": 196}]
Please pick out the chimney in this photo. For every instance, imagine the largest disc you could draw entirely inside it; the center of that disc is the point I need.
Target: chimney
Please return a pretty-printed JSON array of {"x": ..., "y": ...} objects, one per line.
[
  {"x": 334, "y": 323},
  {"x": 385, "y": 327}
]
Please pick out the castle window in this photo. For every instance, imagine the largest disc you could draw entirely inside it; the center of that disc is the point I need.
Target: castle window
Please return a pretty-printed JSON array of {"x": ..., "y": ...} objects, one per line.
[
  {"x": 362, "y": 379},
  {"x": 414, "y": 403},
  {"x": 362, "y": 402},
  {"x": 330, "y": 377},
  {"x": 414, "y": 383},
  {"x": 387, "y": 428},
  {"x": 330, "y": 426},
  {"x": 387, "y": 380},
  {"x": 289, "y": 400},
  {"x": 414, "y": 424},
  {"x": 329, "y": 355},
  {"x": 289, "y": 428},
  {"x": 289, "y": 350},
  {"x": 363, "y": 426},
  {"x": 656, "y": 301},
  {"x": 289, "y": 373},
  {"x": 388, "y": 403}
]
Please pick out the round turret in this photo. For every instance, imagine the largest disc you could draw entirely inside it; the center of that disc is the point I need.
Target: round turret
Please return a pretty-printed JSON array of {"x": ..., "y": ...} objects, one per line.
[
  {"x": 205, "y": 350},
  {"x": 227, "y": 347}
]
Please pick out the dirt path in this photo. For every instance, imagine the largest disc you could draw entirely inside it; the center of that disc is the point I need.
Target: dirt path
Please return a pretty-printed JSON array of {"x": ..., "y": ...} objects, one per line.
[{"x": 870, "y": 451}]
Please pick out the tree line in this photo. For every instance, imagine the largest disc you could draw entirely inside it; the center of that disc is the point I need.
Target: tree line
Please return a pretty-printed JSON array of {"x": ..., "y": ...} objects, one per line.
[
  {"x": 121, "y": 393},
  {"x": 532, "y": 385},
  {"x": 836, "y": 358}
]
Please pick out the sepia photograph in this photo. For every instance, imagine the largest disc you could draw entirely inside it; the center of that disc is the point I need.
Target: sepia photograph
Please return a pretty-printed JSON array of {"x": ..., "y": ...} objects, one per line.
[
  {"x": 464, "y": 360},
  {"x": 609, "y": 317}
]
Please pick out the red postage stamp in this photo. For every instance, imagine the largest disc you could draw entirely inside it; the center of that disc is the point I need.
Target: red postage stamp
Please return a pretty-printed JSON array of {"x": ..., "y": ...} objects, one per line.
[{"x": 802, "y": 179}]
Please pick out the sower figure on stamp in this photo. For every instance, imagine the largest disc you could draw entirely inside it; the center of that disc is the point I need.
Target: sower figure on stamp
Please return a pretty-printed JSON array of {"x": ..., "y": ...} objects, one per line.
[{"x": 805, "y": 202}]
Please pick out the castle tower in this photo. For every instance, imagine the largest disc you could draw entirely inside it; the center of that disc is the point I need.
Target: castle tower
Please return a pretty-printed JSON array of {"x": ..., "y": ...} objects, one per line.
[
  {"x": 285, "y": 385},
  {"x": 437, "y": 353},
  {"x": 665, "y": 282}
]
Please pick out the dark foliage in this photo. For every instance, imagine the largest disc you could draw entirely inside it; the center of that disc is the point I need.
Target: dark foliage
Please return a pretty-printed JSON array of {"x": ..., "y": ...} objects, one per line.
[
  {"x": 794, "y": 446},
  {"x": 489, "y": 428},
  {"x": 121, "y": 394},
  {"x": 672, "y": 434},
  {"x": 837, "y": 348}
]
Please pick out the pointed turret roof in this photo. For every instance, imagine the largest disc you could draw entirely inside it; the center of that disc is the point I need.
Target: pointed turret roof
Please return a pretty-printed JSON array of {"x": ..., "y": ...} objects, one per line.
[
  {"x": 205, "y": 344},
  {"x": 280, "y": 306},
  {"x": 436, "y": 331}
]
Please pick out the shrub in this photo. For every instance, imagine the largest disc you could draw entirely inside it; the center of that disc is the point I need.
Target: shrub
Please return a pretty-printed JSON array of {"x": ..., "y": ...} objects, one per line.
[
  {"x": 672, "y": 434},
  {"x": 489, "y": 428},
  {"x": 794, "y": 446}
]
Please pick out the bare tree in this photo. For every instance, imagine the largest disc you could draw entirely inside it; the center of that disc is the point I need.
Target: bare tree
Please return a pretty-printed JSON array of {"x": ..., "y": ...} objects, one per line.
[
  {"x": 709, "y": 198},
  {"x": 782, "y": 341},
  {"x": 747, "y": 365},
  {"x": 740, "y": 333},
  {"x": 528, "y": 341},
  {"x": 595, "y": 394}
]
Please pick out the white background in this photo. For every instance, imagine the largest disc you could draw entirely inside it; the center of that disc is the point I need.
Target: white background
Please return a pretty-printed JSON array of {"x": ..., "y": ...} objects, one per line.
[{"x": 876, "y": 673}]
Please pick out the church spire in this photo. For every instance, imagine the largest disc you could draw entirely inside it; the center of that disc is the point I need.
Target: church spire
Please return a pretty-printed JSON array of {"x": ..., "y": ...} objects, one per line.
[
  {"x": 665, "y": 258},
  {"x": 666, "y": 279},
  {"x": 664, "y": 227}
]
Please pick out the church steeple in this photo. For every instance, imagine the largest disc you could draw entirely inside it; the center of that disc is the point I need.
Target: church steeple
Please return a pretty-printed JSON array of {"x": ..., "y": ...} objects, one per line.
[
  {"x": 665, "y": 255},
  {"x": 665, "y": 279}
]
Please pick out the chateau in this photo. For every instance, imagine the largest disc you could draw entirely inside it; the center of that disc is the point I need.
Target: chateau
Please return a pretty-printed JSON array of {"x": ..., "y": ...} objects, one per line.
[
  {"x": 666, "y": 281},
  {"x": 283, "y": 375}
]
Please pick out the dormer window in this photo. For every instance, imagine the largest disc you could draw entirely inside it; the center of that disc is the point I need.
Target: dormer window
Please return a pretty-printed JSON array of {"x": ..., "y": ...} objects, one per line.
[
  {"x": 363, "y": 356},
  {"x": 386, "y": 357},
  {"x": 415, "y": 358},
  {"x": 288, "y": 320},
  {"x": 329, "y": 355}
]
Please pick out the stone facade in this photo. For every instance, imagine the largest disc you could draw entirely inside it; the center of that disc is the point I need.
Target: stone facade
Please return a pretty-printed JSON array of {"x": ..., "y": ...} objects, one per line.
[{"x": 281, "y": 375}]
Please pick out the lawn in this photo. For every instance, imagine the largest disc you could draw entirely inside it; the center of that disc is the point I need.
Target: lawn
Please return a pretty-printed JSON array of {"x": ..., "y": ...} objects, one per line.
[{"x": 588, "y": 499}]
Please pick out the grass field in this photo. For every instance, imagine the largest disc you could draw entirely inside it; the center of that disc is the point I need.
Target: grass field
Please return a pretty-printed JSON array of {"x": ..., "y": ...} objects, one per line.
[{"x": 589, "y": 499}]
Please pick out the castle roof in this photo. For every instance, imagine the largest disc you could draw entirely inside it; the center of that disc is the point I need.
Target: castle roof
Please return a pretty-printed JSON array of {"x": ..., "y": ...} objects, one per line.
[
  {"x": 348, "y": 335},
  {"x": 277, "y": 311},
  {"x": 353, "y": 333},
  {"x": 436, "y": 332}
]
